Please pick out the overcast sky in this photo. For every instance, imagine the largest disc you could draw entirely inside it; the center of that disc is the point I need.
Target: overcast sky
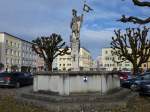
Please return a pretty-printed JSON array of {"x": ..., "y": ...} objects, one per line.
[{"x": 29, "y": 19}]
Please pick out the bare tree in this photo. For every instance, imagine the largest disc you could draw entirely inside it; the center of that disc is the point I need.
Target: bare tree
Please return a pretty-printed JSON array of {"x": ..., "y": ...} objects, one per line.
[
  {"x": 49, "y": 48},
  {"x": 137, "y": 20},
  {"x": 133, "y": 45}
]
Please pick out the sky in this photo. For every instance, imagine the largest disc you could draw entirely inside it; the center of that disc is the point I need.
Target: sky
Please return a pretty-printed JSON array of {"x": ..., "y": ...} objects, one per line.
[{"x": 29, "y": 19}]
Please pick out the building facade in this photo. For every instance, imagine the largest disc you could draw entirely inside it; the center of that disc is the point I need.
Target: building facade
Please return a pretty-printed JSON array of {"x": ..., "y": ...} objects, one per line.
[
  {"x": 85, "y": 59},
  {"x": 109, "y": 61},
  {"x": 10, "y": 51},
  {"x": 16, "y": 51},
  {"x": 98, "y": 64},
  {"x": 28, "y": 57},
  {"x": 64, "y": 63},
  {"x": 40, "y": 64}
]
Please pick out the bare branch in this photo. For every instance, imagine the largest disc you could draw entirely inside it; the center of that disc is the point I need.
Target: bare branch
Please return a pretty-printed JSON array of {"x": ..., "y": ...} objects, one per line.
[
  {"x": 139, "y": 3},
  {"x": 134, "y": 20},
  {"x": 133, "y": 45},
  {"x": 49, "y": 48}
]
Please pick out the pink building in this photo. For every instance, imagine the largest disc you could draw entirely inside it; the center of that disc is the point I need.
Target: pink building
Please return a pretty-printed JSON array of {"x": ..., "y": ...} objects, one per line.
[{"x": 40, "y": 64}]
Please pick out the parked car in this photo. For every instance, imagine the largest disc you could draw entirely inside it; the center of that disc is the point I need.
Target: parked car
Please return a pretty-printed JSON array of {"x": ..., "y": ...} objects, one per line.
[
  {"x": 127, "y": 82},
  {"x": 15, "y": 79},
  {"x": 141, "y": 82},
  {"x": 144, "y": 89},
  {"x": 124, "y": 75},
  {"x": 125, "y": 78}
]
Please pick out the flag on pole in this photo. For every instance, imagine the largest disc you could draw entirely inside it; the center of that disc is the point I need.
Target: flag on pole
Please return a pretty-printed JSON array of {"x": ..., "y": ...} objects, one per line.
[{"x": 87, "y": 8}]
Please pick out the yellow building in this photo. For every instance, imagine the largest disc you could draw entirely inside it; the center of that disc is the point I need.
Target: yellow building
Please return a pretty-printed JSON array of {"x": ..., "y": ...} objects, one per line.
[
  {"x": 64, "y": 63},
  {"x": 146, "y": 66},
  {"x": 85, "y": 60},
  {"x": 10, "y": 50}
]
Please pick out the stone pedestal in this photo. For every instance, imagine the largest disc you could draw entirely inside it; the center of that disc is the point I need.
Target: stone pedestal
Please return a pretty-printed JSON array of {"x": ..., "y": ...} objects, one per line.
[
  {"x": 75, "y": 49},
  {"x": 67, "y": 83}
]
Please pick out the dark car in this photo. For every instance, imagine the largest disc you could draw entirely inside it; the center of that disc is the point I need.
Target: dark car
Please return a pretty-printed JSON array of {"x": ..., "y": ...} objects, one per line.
[
  {"x": 144, "y": 89},
  {"x": 129, "y": 83},
  {"x": 141, "y": 82},
  {"x": 124, "y": 75},
  {"x": 15, "y": 79},
  {"x": 125, "y": 78}
]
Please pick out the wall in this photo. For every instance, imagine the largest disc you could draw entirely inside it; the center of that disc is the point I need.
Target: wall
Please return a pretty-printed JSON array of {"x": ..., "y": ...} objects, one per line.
[{"x": 73, "y": 82}]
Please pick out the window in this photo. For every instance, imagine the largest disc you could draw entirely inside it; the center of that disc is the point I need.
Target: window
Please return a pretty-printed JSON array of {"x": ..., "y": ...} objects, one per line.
[
  {"x": 6, "y": 42},
  {"x": 112, "y": 52},
  {"x": 7, "y": 60},
  {"x": 18, "y": 62},
  {"x": 15, "y": 44},
  {"x": 11, "y": 52},
  {"x": 6, "y": 51},
  {"x": 68, "y": 64},
  {"x": 15, "y": 53},
  {"x": 11, "y": 43},
  {"x": 106, "y": 52},
  {"x": 12, "y": 61},
  {"x": 120, "y": 64},
  {"x": 127, "y": 65},
  {"x": 68, "y": 58},
  {"x": 18, "y": 54},
  {"x": 146, "y": 77},
  {"x": 113, "y": 58},
  {"x": 119, "y": 58}
]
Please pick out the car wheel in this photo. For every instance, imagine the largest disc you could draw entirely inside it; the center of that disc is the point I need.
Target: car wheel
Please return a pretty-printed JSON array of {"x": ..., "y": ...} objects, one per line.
[
  {"x": 134, "y": 87},
  {"x": 17, "y": 85}
]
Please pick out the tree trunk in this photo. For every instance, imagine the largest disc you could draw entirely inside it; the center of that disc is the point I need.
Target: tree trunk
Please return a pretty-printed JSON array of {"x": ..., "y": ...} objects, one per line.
[
  {"x": 135, "y": 69},
  {"x": 49, "y": 65}
]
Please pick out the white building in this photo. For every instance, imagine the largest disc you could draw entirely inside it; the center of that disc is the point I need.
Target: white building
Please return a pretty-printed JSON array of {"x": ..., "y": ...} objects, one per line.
[
  {"x": 109, "y": 64},
  {"x": 64, "y": 63},
  {"x": 16, "y": 51},
  {"x": 10, "y": 51},
  {"x": 28, "y": 56},
  {"x": 98, "y": 64}
]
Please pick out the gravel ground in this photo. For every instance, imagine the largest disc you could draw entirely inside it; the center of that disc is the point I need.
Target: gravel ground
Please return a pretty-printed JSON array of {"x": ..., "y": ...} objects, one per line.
[
  {"x": 9, "y": 104},
  {"x": 137, "y": 104}
]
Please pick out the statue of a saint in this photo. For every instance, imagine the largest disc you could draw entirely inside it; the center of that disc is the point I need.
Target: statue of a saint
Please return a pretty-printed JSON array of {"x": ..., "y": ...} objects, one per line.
[{"x": 76, "y": 23}]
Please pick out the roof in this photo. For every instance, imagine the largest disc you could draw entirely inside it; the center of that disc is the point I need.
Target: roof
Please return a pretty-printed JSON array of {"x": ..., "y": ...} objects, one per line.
[
  {"x": 15, "y": 37},
  {"x": 85, "y": 49}
]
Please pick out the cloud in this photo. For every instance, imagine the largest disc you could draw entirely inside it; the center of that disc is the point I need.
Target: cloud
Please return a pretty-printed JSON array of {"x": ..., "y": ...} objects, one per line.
[
  {"x": 29, "y": 19},
  {"x": 101, "y": 14},
  {"x": 96, "y": 40}
]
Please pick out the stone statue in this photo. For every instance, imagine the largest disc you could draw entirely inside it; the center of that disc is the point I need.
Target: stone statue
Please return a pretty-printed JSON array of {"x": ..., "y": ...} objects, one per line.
[{"x": 76, "y": 23}]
